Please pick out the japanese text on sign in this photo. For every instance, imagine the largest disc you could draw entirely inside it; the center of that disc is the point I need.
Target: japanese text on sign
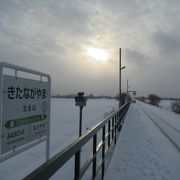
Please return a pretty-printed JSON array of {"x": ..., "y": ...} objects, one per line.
[{"x": 26, "y": 93}]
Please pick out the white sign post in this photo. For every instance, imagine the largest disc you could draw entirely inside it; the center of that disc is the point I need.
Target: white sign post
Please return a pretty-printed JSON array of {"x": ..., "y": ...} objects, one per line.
[{"x": 24, "y": 110}]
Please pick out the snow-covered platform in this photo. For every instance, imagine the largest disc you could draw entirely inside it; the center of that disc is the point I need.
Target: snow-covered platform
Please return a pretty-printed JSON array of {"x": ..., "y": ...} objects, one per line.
[{"x": 148, "y": 146}]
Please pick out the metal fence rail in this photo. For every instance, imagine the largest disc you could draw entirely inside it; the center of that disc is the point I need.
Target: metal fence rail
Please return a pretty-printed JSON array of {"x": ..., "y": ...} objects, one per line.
[{"x": 110, "y": 127}]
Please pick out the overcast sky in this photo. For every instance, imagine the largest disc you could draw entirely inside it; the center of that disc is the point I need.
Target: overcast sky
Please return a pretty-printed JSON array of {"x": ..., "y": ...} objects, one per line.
[{"x": 52, "y": 36}]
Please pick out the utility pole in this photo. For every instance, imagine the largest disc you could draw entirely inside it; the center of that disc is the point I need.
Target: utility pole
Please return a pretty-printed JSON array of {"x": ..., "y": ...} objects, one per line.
[
  {"x": 120, "y": 68},
  {"x": 119, "y": 77}
]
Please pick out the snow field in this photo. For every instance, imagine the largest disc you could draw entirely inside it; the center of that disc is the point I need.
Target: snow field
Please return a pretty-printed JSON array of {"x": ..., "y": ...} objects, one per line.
[
  {"x": 64, "y": 130},
  {"x": 167, "y": 116},
  {"x": 166, "y": 104},
  {"x": 143, "y": 152}
]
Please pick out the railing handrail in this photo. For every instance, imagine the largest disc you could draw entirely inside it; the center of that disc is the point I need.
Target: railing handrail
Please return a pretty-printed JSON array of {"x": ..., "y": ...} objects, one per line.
[{"x": 57, "y": 161}]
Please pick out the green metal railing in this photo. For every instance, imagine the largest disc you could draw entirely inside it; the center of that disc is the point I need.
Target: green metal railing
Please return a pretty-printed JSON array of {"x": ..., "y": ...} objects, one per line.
[{"x": 110, "y": 127}]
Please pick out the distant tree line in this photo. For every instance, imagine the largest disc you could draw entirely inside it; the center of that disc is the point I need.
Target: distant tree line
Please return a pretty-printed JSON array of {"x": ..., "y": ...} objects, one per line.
[
  {"x": 63, "y": 96},
  {"x": 154, "y": 99},
  {"x": 176, "y": 106},
  {"x": 90, "y": 96}
]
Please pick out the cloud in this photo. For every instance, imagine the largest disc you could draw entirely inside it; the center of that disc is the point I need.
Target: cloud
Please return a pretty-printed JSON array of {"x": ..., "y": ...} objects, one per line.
[
  {"x": 51, "y": 36},
  {"x": 136, "y": 58},
  {"x": 167, "y": 43},
  {"x": 43, "y": 25},
  {"x": 131, "y": 9}
]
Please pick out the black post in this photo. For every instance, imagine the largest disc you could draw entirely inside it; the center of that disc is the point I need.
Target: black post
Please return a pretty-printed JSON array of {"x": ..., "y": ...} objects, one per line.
[
  {"x": 78, "y": 154},
  {"x": 80, "y": 120},
  {"x": 117, "y": 119},
  {"x": 103, "y": 152},
  {"x": 112, "y": 127},
  {"x": 77, "y": 165},
  {"x": 94, "y": 154},
  {"x": 115, "y": 127},
  {"x": 109, "y": 133}
]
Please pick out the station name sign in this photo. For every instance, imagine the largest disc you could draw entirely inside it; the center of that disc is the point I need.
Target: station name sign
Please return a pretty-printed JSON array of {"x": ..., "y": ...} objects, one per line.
[{"x": 25, "y": 111}]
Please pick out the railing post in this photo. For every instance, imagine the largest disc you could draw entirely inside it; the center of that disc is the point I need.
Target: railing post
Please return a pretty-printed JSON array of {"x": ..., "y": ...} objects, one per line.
[
  {"x": 109, "y": 134},
  {"x": 77, "y": 165},
  {"x": 117, "y": 120},
  {"x": 112, "y": 127},
  {"x": 103, "y": 152},
  {"x": 120, "y": 122},
  {"x": 94, "y": 154}
]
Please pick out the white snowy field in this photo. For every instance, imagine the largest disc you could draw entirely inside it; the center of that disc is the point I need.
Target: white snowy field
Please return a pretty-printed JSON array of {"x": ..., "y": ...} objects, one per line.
[
  {"x": 166, "y": 104},
  {"x": 143, "y": 152},
  {"x": 64, "y": 129}
]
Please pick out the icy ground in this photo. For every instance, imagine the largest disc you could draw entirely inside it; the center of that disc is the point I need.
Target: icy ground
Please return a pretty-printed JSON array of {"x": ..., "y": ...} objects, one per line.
[{"x": 143, "y": 152}]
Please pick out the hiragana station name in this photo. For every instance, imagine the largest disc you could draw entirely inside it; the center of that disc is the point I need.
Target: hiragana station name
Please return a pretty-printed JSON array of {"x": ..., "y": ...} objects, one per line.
[{"x": 26, "y": 93}]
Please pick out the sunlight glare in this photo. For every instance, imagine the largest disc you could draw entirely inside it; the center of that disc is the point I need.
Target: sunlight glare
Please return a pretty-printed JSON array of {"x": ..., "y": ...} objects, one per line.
[{"x": 99, "y": 55}]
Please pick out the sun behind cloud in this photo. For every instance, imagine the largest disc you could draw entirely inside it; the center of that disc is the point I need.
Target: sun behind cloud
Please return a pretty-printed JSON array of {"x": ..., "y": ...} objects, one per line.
[{"x": 97, "y": 54}]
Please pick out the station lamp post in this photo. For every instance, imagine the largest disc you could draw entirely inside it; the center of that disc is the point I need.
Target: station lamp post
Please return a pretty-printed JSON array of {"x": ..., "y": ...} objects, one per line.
[
  {"x": 80, "y": 100},
  {"x": 120, "y": 68}
]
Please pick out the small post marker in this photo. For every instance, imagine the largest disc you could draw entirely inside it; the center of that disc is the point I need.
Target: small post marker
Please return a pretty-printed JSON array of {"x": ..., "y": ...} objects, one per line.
[{"x": 80, "y": 100}]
